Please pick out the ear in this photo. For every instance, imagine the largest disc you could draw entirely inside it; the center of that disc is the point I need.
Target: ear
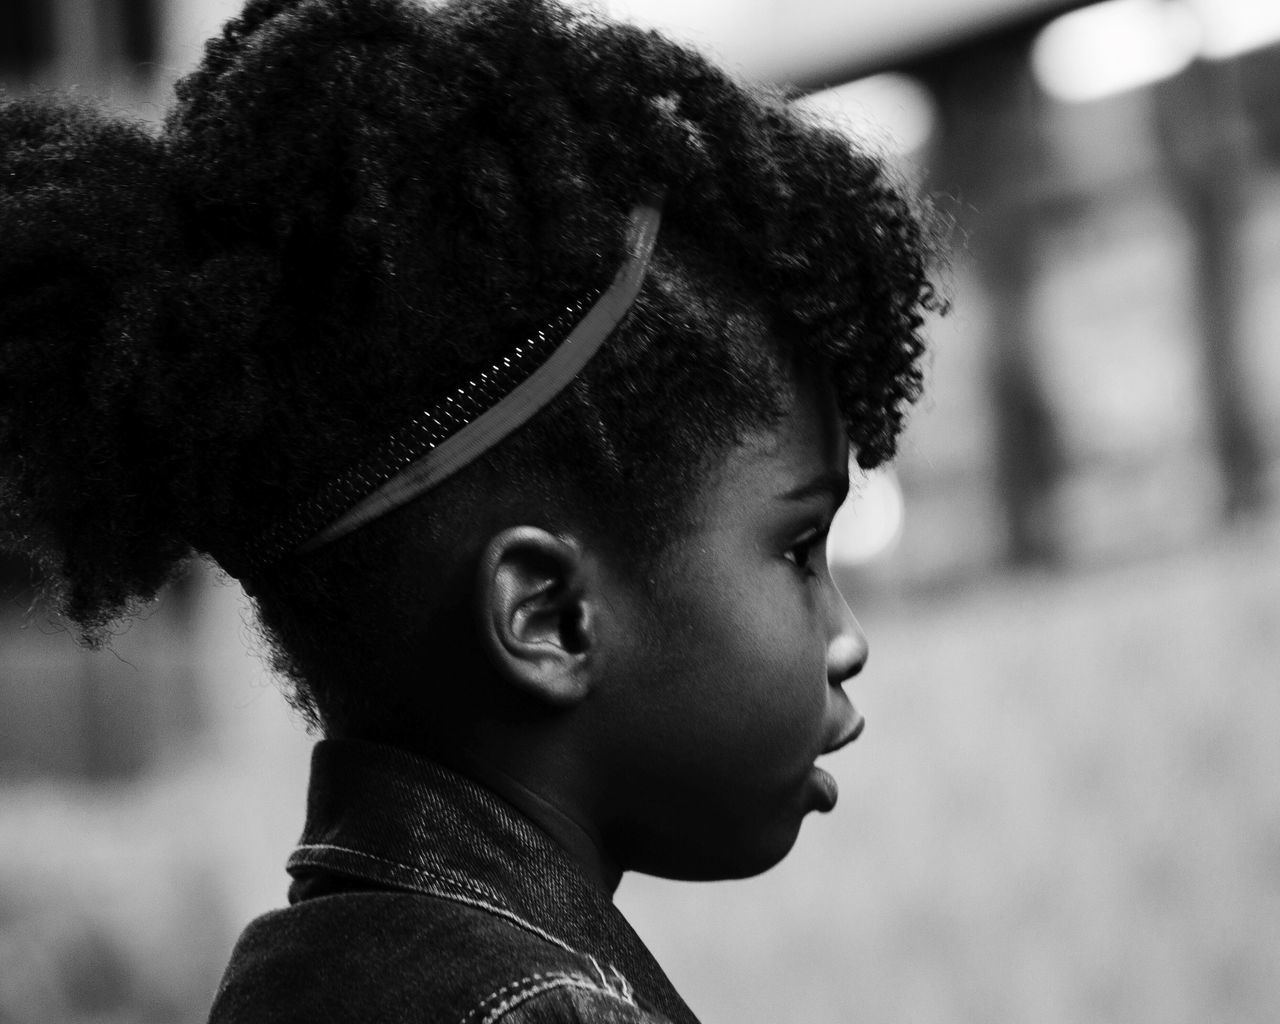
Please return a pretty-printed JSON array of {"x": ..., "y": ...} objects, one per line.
[{"x": 535, "y": 614}]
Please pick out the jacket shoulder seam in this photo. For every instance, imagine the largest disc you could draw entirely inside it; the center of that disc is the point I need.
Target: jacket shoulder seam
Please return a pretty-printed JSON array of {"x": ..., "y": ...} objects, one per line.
[{"x": 511, "y": 995}]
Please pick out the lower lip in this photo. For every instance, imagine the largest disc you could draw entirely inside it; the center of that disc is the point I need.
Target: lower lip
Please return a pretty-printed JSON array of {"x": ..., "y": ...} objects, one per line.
[{"x": 825, "y": 787}]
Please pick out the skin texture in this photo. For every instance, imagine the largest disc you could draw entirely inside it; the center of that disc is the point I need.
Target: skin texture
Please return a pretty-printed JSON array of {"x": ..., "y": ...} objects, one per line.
[{"x": 683, "y": 711}]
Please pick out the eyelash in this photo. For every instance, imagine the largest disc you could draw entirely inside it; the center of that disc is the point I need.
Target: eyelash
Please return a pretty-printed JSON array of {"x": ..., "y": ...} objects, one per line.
[{"x": 801, "y": 552}]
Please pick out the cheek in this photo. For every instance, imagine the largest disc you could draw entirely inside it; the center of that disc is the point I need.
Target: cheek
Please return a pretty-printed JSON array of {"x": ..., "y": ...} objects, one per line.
[
  {"x": 733, "y": 710},
  {"x": 777, "y": 622},
  {"x": 763, "y": 658}
]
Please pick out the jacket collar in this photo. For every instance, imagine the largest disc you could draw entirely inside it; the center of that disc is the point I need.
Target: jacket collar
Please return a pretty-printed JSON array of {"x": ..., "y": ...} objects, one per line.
[{"x": 380, "y": 816}]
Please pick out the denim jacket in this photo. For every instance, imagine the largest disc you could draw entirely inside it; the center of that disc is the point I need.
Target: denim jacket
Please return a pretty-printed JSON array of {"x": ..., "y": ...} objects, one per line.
[{"x": 420, "y": 896}]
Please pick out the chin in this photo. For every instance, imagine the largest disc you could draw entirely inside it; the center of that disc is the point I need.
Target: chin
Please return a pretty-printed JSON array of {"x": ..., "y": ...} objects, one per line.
[
  {"x": 764, "y": 856},
  {"x": 722, "y": 860}
]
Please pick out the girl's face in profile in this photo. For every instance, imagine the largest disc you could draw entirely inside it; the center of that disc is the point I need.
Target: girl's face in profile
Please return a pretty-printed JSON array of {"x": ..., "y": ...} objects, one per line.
[{"x": 730, "y": 682}]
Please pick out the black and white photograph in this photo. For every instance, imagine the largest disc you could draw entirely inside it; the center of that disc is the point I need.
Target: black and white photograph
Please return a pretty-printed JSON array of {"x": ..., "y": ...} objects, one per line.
[{"x": 639, "y": 511}]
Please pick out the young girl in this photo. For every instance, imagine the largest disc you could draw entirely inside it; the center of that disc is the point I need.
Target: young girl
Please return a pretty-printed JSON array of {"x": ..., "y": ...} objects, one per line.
[{"x": 511, "y": 360}]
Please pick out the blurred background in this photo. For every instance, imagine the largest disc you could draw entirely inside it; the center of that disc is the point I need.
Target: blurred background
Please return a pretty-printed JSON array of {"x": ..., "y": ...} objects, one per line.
[{"x": 1066, "y": 806}]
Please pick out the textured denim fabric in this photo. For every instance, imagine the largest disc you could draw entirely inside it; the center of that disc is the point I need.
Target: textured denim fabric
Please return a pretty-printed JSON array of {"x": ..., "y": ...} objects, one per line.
[{"x": 421, "y": 896}]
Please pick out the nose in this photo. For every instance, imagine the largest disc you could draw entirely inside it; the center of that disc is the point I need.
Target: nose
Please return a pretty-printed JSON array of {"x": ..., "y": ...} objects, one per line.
[{"x": 846, "y": 644}]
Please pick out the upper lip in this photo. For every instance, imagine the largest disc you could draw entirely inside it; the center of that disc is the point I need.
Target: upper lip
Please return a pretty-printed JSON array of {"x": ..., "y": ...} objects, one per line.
[{"x": 850, "y": 732}]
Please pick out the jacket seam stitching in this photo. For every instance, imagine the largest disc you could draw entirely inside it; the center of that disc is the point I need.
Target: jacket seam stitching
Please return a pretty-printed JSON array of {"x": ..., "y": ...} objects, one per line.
[
  {"x": 480, "y": 904},
  {"x": 522, "y": 997},
  {"x": 545, "y": 983},
  {"x": 420, "y": 872},
  {"x": 514, "y": 918}
]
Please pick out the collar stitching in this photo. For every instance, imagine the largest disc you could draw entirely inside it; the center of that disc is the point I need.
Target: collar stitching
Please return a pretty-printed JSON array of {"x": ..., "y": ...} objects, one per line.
[
  {"x": 304, "y": 848},
  {"x": 495, "y": 907}
]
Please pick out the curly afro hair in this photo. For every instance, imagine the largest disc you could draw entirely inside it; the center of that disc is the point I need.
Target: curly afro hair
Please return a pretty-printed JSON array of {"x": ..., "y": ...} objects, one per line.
[{"x": 352, "y": 205}]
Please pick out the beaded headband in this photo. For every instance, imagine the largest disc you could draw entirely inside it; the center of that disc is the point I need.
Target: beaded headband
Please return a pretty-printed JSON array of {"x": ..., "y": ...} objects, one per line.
[{"x": 472, "y": 419}]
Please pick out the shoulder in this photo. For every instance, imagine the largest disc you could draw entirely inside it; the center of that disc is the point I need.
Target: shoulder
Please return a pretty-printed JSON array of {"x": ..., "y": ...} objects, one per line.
[
  {"x": 406, "y": 956},
  {"x": 569, "y": 997}
]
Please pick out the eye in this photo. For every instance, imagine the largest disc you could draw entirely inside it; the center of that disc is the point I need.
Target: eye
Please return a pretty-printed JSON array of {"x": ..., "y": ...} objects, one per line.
[{"x": 804, "y": 551}]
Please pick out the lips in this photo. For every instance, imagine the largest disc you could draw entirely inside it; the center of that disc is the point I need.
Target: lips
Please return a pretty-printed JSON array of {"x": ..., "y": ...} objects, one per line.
[{"x": 850, "y": 730}]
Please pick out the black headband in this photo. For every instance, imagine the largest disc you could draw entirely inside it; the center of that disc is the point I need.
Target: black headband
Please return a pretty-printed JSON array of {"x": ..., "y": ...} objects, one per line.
[{"x": 468, "y": 422}]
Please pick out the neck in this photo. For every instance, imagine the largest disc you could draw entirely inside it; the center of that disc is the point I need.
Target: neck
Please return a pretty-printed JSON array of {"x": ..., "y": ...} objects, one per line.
[{"x": 568, "y": 828}]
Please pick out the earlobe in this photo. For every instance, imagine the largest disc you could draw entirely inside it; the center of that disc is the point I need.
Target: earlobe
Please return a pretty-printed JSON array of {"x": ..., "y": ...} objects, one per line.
[{"x": 535, "y": 614}]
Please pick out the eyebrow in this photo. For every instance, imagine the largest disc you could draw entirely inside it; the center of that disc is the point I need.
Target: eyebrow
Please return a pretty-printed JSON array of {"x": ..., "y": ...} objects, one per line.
[{"x": 832, "y": 483}]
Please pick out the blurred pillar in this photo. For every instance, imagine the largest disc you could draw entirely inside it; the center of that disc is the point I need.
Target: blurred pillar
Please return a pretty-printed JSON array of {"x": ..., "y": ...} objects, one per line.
[
  {"x": 26, "y": 38},
  {"x": 1206, "y": 135},
  {"x": 139, "y": 33},
  {"x": 91, "y": 44},
  {"x": 989, "y": 150}
]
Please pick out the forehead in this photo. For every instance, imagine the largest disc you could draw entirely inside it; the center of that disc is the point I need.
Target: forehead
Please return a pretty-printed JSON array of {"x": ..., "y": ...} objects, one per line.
[{"x": 807, "y": 442}]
